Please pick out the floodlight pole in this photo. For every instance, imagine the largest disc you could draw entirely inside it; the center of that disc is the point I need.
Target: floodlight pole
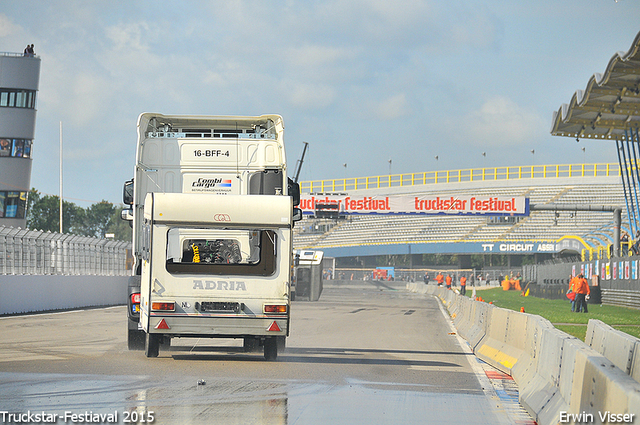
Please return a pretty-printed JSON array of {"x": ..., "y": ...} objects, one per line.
[{"x": 60, "y": 176}]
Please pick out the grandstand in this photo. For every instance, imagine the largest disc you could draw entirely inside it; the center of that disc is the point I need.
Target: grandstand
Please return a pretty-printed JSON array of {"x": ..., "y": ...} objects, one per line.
[{"x": 539, "y": 232}]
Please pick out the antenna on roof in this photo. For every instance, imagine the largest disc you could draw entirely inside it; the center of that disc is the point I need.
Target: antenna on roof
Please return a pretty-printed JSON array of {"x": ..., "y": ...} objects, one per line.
[{"x": 299, "y": 162}]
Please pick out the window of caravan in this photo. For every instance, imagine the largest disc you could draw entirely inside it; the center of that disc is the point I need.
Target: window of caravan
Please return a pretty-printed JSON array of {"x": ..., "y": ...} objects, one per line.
[{"x": 221, "y": 251}]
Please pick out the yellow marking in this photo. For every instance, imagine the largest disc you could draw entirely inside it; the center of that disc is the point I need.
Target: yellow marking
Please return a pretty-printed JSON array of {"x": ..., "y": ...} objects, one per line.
[{"x": 497, "y": 355}]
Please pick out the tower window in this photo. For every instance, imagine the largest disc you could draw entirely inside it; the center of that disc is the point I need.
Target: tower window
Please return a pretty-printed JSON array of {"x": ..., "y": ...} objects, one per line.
[
  {"x": 18, "y": 148},
  {"x": 13, "y": 204},
  {"x": 18, "y": 98}
]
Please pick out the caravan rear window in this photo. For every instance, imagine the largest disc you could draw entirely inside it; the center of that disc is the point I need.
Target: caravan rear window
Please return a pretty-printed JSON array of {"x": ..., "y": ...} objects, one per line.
[{"x": 221, "y": 251}]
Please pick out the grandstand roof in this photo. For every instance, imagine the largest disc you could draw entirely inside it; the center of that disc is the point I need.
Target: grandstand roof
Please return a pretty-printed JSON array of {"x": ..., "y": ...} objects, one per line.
[{"x": 609, "y": 106}]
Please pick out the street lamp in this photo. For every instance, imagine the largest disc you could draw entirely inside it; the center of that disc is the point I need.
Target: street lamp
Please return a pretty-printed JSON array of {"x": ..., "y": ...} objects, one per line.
[{"x": 533, "y": 162}]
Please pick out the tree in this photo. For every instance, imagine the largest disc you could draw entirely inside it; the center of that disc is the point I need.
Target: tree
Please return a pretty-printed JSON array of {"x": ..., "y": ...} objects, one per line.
[
  {"x": 43, "y": 213},
  {"x": 97, "y": 219},
  {"x": 119, "y": 227}
]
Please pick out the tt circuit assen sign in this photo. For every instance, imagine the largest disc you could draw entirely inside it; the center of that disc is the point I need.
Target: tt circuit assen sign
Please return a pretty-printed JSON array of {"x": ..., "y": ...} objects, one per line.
[{"x": 406, "y": 204}]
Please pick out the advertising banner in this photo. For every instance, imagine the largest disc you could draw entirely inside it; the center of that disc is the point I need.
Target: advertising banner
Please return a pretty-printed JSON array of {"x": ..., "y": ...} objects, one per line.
[{"x": 408, "y": 204}]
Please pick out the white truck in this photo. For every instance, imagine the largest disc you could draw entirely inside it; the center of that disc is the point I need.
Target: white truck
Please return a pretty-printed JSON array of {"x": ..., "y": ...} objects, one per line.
[{"x": 212, "y": 212}]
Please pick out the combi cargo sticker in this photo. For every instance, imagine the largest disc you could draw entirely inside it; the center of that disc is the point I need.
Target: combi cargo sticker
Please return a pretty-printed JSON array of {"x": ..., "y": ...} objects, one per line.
[{"x": 221, "y": 285}]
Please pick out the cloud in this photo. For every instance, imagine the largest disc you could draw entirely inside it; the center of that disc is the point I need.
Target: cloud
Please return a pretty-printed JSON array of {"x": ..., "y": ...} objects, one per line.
[
  {"x": 393, "y": 107},
  {"x": 500, "y": 121},
  {"x": 318, "y": 61},
  {"x": 310, "y": 96},
  {"x": 7, "y": 27},
  {"x": 472, "y": 26}
]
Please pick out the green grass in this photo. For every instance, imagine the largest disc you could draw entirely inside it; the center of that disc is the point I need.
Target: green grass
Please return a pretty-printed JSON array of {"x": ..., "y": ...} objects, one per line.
[{"x": 559, "y": 312}]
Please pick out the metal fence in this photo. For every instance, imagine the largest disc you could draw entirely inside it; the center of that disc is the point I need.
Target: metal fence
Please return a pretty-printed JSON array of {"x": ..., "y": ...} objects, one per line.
[
  {"x": 461, "y": 176},
  {"x": 33, "y": 252},
  {"x": 475, "y": 277}
]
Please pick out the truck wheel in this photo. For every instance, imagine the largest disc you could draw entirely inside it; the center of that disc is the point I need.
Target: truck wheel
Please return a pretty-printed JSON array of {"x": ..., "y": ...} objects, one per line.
[
  {"x": 135, "y": 339},
  {"x": 151, "y": 345},
  {"x": 270, "y": 349},
  {"x": 250, "y": 345}
]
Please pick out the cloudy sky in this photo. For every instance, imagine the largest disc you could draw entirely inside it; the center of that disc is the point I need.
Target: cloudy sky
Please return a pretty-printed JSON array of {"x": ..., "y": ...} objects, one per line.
[{"x": 362, "y": 81}]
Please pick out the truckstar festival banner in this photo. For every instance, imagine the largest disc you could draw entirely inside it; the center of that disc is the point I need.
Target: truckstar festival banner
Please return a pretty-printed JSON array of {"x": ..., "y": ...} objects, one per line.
[{"x": 407, "y": 204}]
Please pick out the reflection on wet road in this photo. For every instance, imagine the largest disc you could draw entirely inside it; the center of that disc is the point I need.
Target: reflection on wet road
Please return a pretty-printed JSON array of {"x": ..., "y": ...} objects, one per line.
[
  {"x": 355, "y": 357},
  {"x": 240, "y": 401}
]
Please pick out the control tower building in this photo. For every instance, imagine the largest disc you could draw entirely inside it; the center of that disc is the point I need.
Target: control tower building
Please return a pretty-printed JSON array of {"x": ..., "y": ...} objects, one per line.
[{"x": 19, "y": 77}]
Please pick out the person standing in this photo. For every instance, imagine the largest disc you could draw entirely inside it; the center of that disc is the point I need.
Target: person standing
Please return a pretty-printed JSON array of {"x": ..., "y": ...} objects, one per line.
[
  {"x": 449, "y": 280},
  {"x": 582, "y": 293},
  {"x": 571, "y": 293},
  {"x": 463, "y": 285},
  {"x": 439, "y": 279}
]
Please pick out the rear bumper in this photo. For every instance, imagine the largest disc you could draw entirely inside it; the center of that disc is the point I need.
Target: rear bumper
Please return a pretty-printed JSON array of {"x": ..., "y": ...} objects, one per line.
[{"x": 186, "y": 326}]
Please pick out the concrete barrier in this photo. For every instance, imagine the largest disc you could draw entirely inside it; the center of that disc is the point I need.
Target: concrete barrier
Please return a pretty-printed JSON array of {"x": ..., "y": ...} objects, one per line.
[
  {"x": 558, "y": 375},
  {"x": 495, "y": 347},
  {"x": 30, "y": 293},
  {"x": 480, "y": 321},
  {"x": 539, "y": 371},
  {"x": 622, "y": 349},
  {"x": 597, "y": 385}
]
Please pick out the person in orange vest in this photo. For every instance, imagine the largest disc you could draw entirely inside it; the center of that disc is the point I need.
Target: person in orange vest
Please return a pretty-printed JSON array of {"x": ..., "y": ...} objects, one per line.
[
  {"x": 449, "y": 279},
  {"x": 506, "y": 283},
  {"x": 463, "y": 285},
  {"x": 439, "y": 279},
  {"x": 571, "y": 292},
  {"x": 582, "y": 293}
]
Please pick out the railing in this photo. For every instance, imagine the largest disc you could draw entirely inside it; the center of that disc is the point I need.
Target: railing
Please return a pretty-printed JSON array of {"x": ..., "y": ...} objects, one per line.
[
  {"x": 34, "y": 252},
  {"x": 17, "y": 55},
  {"x": 606, "y": 252},
  {"x": 462, "y": 176}
]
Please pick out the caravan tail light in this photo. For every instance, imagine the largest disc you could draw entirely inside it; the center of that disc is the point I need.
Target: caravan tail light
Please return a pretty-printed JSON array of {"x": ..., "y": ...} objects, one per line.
[
  {"x": 163, "y": 306},
  {"x": 275, "y": 308},
  {"x": 135, "y": 298}
]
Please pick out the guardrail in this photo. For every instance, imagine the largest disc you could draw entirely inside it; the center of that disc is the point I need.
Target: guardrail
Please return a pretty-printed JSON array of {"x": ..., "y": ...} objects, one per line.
[
  {"x": 558, "y": 375},
  {"x": 461, "y": 176},
  {"x": 33, "y": 252}
]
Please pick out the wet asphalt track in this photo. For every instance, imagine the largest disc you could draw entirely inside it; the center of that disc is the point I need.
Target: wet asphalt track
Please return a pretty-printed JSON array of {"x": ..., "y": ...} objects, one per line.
[{"x": 363, "y": 354}]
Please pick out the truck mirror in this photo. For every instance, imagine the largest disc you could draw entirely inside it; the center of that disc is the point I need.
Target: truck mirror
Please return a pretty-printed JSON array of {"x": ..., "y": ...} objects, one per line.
[
  {"x": 127, "y": 193},
  {"x": 297, "y": 214},
  {"x": 294, "y": 191},
  {"x": 127, "y": 215}
]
